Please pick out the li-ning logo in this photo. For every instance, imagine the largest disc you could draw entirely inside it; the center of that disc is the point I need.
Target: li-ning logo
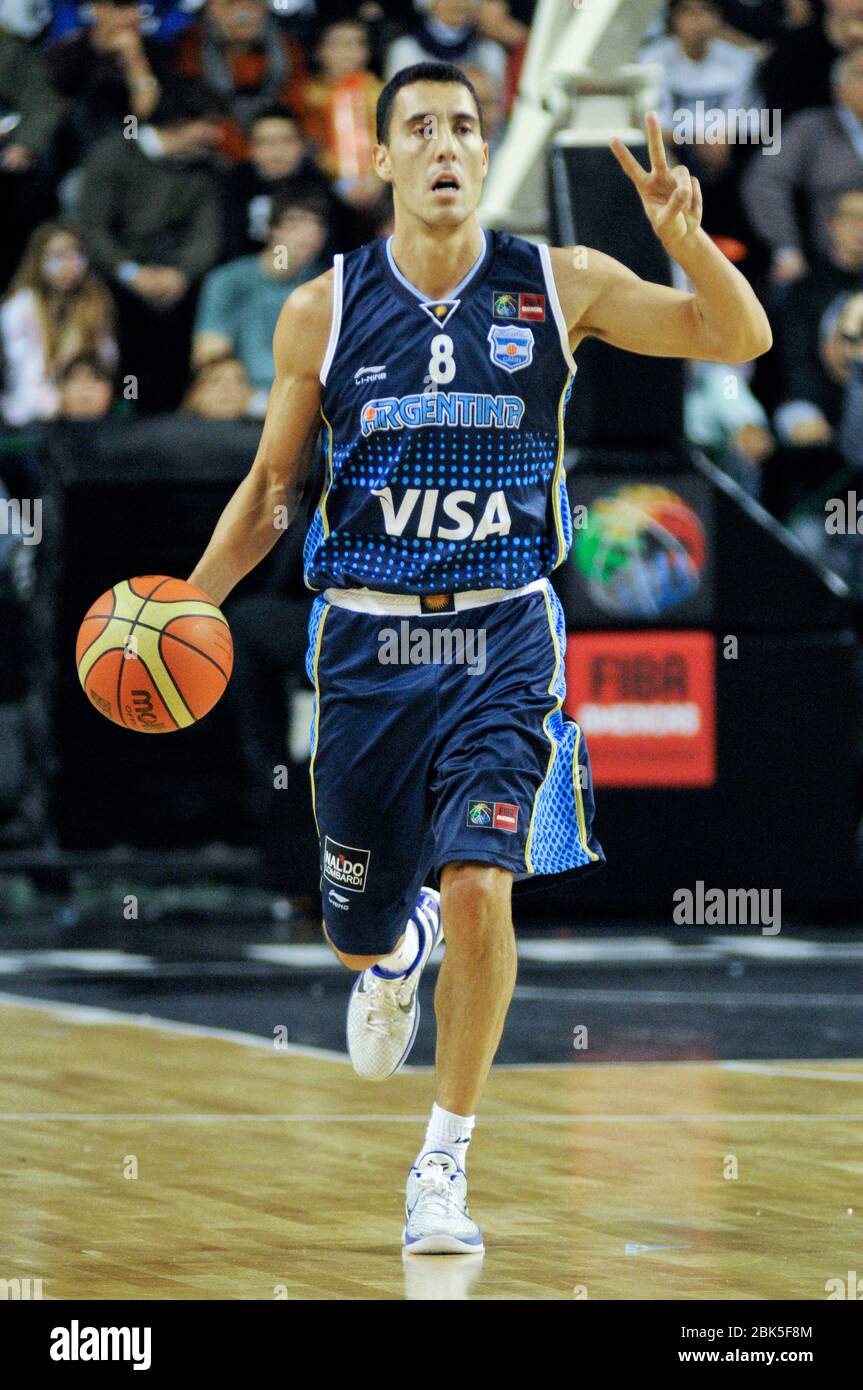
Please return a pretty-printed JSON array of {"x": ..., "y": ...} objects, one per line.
[
  {"x": 346, "y": 865},
  {"x": 339, "y": 900},
  {"x": 76, "y": 1343},
  {"x": 367, "y": 374}
]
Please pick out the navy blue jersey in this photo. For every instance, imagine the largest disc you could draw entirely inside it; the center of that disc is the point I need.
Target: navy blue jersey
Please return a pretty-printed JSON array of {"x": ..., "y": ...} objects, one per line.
[{"x": 443, "y": 427}]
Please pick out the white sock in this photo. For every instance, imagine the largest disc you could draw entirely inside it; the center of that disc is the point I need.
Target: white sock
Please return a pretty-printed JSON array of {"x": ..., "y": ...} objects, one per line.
[
  {"x": 404, "y": 956},
  {"x": 449, "y": 1132}
]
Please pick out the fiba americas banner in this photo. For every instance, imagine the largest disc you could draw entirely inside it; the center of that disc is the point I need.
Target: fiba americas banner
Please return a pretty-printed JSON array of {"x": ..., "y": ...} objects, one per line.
[{"x": 647, "y": 704}]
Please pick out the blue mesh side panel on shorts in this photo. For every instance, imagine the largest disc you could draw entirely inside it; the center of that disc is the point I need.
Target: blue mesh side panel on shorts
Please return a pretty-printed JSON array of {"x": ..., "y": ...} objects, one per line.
[
  {"x": 316, "y": 615},
  {"x": 556, "y": 842}
]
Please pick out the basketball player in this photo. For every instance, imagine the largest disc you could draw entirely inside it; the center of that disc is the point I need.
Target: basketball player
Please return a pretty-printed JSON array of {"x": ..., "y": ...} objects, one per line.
[{"x": 438, "y": 365}]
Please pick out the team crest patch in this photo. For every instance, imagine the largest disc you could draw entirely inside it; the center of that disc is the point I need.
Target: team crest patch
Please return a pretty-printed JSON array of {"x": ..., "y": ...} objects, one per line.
[
  {"x": 511, "y": 347},
  {"x": 504, "y": 304}
]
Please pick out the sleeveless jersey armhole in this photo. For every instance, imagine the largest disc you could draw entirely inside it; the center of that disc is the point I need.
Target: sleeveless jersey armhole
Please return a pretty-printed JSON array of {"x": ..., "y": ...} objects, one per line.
[
  {"x": 556, "y": 307},
  {"x": 336, "y": 323}
]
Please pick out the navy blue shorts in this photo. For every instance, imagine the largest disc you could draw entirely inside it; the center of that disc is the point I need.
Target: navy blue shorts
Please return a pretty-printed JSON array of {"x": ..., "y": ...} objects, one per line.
[{"x": 437, "y": 739}]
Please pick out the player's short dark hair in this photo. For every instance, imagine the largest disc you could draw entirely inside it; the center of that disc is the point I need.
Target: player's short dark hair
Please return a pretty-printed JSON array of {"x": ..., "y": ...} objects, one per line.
[{"x": 418, "y": 72}]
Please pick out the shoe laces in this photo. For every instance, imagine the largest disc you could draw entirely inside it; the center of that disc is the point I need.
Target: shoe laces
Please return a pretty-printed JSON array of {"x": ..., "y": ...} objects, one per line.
[
  {"x": 437, "y": 1193},
  {"x": 382, "y": 1005}
]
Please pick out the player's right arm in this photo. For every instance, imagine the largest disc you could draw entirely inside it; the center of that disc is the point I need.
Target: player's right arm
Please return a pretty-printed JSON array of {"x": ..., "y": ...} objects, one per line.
[{"x": 254, "y": 519}]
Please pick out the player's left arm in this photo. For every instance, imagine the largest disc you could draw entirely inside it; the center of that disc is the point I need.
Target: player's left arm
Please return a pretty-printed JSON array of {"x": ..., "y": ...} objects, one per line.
[{"x": 723, "y": 321}]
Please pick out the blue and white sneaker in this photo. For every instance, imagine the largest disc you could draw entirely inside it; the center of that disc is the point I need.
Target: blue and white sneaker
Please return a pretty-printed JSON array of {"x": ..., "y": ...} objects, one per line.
[
  {"x": 383, "y": 1015},
  {"x": 437, "y": 1221}
]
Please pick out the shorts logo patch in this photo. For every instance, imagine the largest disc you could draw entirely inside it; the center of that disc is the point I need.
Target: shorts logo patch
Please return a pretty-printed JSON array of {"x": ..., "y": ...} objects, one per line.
[
  {"x": 505, "y": 816},
  {"x": 504, "y": 304},
  {"x": 339, "y": 900},
  {"x": 511, "y": 348},
  {"x": 346, "y": 865},
  {"x": 498, "y": 815}
]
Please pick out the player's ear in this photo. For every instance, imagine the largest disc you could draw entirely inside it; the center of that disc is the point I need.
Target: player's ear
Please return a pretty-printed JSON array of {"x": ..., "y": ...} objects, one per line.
[
  {"x": 381, "y": 163},
  {"x": 485, "y": 158}
]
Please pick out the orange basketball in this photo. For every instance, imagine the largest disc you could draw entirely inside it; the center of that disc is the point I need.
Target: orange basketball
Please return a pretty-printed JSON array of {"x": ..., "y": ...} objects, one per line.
[{"x": 154, "y": 654}]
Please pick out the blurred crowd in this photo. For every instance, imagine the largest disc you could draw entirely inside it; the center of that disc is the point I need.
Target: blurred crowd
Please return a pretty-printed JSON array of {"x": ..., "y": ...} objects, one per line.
[{"x": 169, "y": 171}]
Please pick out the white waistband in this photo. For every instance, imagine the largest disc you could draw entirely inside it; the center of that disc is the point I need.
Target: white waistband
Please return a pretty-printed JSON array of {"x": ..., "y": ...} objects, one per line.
[{"x": 375, "y": 601}]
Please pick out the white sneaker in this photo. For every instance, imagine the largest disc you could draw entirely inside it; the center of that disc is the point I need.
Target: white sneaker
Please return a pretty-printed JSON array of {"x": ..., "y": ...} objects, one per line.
[
  {"x": 383, "y": 1015},
  {"x": 437, "y": 1221}
]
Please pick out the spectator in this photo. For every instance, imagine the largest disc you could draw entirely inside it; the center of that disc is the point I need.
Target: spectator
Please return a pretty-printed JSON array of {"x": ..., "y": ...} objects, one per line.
[
  {"x": 220, "y": 390},
  {"x": 30, "y": 113},
  {"x": 491, "y": 105},
  {"x": 27, "y": 18},
  {"x": 240, "y": 302},
  {"x": 839, "y": 547},
  {"x": 86, "y": 389},
  {"x": 449, "y": 33},
  {"x": 104, "y": 72},
  {"x": 241, "y": 53},
  {"x": 766, "y": 19},
  {"x": 707, "y": 81},
  {"x": 699, "y": 67},
  {"x": 812, "y": 372},
  {"x": 153, "y": 224},
  {"x": 797, "y": 72},
  {"x": 280, "y": 165},
  {"x": 160, "y": 19},
  {"x": 850, "y": 329},
  {"x": 821, "y": 154},
  {"x": 722, "y": 416},
  {"x": 338, "y": 112},
  {"x": 55, "y": 310}
]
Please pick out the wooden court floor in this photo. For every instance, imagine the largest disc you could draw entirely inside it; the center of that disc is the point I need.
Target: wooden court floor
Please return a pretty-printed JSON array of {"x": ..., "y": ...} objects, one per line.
[{"x": 142, "y": 1160}]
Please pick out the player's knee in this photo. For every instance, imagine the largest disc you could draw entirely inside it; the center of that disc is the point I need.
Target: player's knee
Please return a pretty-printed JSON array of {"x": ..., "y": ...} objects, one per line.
[
  {"x": 347, "y": 959},
  {"x": 476, "y": 903}
]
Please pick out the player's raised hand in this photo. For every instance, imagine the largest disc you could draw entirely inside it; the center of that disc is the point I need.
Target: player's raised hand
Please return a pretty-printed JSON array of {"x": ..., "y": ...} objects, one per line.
[{"x": 670, "y": 197}]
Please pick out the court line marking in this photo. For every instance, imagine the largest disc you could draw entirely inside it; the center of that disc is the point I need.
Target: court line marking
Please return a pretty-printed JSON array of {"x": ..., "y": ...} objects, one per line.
[
  {"x": 560, "y": 994},
  {"x": 362, "y": 1118},
  {"x": 89, "y": 1013},
  {"x": 778, "y": 1069}
]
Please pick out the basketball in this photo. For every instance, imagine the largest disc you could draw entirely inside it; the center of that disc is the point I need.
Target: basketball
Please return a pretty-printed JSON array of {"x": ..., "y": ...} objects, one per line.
[{"x": 154, "y": 654}]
